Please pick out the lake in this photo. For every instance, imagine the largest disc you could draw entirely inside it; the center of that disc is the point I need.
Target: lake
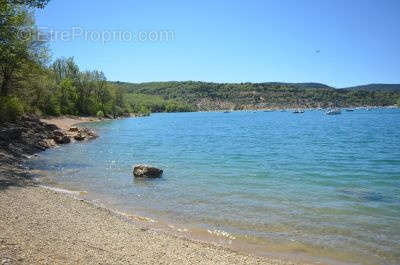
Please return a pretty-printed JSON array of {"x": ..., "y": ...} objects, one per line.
[{"x": 271, "y": 183}]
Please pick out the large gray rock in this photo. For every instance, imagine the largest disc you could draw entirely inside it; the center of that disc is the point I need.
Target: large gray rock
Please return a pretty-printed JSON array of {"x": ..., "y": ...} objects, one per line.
[
  {"x": 145, "y": 171},
  {"x": 11, "y": 134}
]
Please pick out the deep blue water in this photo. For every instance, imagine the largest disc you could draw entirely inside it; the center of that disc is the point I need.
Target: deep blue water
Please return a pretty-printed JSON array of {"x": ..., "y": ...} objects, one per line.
[{"x": 310, "y": 183}]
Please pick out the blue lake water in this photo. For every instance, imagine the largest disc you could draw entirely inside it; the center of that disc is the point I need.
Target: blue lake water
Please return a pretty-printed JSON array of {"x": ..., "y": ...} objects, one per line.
[{"x": 312, "y": 184}]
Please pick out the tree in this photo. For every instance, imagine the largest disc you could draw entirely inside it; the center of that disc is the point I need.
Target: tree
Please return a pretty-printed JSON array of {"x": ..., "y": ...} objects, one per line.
[
  {"x": 18, "y": 47},
  {"x": 65, "y": 68},
  {"x": 68, "y": 97},
  {"x": 30, "y": 3},
  {"x": 102, "y": 90}
]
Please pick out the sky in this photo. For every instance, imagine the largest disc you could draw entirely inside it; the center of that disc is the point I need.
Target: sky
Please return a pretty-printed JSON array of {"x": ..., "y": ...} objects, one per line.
[{"x": 336, "y": 42}]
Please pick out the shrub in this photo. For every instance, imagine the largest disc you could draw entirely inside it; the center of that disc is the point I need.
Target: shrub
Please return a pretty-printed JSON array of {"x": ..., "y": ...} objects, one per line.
[
  {"x": 100, "y": 114},
  {"x": 144, "y": 111},
  {"x": 11, "y": 108},
  {"x": 53, "y": 106}
]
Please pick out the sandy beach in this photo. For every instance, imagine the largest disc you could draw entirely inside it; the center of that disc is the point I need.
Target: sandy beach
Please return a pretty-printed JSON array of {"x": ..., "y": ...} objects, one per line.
[
  {"x": 42, "y": 226},
  {"x": 67, "y": 121}
]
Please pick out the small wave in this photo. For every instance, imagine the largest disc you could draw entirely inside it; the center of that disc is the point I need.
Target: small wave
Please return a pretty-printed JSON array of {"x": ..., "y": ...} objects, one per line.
[
  {"x": 221, "y": 233},
  {"x": 136, "y": 218},
  {"x": 63, "y": 190}
]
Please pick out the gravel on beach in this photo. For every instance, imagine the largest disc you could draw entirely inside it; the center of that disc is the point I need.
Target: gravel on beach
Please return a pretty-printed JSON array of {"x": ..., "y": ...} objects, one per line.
[{"x": 41, "y": 226}]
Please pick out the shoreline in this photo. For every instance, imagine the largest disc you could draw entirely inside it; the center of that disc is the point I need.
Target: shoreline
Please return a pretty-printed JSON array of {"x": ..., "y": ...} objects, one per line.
[
  {"x": 283, "y": 253},
  {"x": 57, "y": 228},
  {"x": 41, "y": 225},
  {"x": 65, "y": 122}
]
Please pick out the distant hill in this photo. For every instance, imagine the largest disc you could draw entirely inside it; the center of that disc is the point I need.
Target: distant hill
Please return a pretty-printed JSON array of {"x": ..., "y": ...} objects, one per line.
[
  {"x": 299, "y": 85},
  {"x": 276, "y": 95},
  {"x": 377, "y": 87}
]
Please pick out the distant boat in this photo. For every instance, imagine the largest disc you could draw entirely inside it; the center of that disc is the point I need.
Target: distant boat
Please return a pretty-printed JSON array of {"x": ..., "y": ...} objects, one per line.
[
  {"x": 349, "y": 110},
  {"x": 227, "y": 111},
  {"x": 298, "y": 111},
  {"x": 333, "y": 112}
]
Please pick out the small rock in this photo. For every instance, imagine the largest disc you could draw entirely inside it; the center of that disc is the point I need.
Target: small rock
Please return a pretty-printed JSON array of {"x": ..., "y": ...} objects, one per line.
[
  {"x": 47, "y": 143},
  {"x": 60, "y": 138},
  {"x": 145, "y": 171},
  {"x": 51, "y": 127},
  {"x": 74, "y": 129},
  {"x": 79, "y": 137}
]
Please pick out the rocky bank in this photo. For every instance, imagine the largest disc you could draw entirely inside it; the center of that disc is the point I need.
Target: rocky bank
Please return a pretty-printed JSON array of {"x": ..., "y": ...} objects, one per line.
[{"x": 26, "y": 137}]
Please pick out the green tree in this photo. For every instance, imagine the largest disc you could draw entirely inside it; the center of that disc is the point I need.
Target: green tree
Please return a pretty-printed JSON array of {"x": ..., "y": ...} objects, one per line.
[
  {"x": 68, "y": 97},
  {"x": 30, "y": 3},
  {"x": 18, "y": 45}
]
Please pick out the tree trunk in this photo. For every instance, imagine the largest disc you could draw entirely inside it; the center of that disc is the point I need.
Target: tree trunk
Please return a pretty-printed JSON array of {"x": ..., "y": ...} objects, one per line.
[
  {"x": 5, "y": 84},
  {"x": 4, "y": 87}
]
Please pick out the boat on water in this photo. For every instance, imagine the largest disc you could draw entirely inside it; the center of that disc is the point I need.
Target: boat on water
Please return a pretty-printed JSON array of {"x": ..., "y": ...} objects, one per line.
[
  {"x": 298, "y": 111},
  {"x": 333, "y": 112},
  {"x": 349, "y": 110},
  {"x": 227, "y": 111}
]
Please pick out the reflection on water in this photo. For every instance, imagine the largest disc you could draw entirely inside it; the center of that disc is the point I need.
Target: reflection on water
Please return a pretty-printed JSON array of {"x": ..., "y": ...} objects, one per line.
[{"x": 326, "y": 186}]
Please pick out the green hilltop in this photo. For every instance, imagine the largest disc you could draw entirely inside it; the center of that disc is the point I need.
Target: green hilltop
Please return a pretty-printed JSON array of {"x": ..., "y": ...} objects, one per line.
[{"x": 201, "y": 96}]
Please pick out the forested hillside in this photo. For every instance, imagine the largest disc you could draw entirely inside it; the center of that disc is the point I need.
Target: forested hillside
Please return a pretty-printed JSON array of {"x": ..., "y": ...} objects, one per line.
[
  {"x": 214, "y": 96},
  {"x": 377, "y": 87}
]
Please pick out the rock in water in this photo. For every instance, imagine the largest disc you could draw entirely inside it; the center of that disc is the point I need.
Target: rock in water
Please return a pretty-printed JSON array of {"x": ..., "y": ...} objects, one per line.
[{"x": 144, "y": 171}]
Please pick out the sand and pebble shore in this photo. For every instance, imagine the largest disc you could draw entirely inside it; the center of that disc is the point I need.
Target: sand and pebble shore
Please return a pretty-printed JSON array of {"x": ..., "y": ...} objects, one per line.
[{"x": 44, "y": 226}]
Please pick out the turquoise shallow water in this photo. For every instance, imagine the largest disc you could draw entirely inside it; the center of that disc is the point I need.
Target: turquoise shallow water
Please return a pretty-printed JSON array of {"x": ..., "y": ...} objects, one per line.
[{"x": 307, "y": 183}]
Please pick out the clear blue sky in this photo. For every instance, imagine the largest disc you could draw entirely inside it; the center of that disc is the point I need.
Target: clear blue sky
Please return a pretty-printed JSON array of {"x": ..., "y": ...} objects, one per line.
[{"x": 236, "y": 41}]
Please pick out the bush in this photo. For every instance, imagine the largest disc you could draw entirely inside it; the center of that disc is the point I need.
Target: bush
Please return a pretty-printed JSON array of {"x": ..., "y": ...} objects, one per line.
[
  {"x": 100, "y": 114},
  {"x": 144, "y": 111},
  {"x": 53, "y": 106},
  {"x": 11, "y": 108}
]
